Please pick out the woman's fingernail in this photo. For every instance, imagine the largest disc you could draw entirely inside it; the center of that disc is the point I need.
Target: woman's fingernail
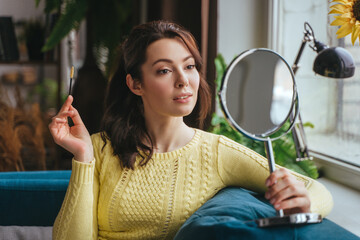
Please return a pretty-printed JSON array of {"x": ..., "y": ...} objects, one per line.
[
  {"x": 276, "y": 206},
  {"x": 267, "y": 183}
]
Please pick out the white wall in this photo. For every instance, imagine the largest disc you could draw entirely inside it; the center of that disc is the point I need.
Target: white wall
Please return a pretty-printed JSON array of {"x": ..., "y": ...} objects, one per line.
[
  {"x": 242, "y": 25},
  {"x": 21, "y": 9}
]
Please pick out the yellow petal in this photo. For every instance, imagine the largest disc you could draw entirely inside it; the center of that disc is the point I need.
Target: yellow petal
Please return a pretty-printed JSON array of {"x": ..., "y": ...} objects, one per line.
[
  {"x": 349, "y": 3},
  {"x": 339, "y": 21},
  {"x": 355, "y": 33},
  {"x": 340, "y": 8},
  {"x": 341, "y": 1},
  {"x": 344, "y": 30},
  {"x": 335, "y": 12},
  {"x": 347, "y": 15}
]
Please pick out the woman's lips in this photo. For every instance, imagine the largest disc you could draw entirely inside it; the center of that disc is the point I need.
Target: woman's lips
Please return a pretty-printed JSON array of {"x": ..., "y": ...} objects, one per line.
[{"x": 183, "y": 97}]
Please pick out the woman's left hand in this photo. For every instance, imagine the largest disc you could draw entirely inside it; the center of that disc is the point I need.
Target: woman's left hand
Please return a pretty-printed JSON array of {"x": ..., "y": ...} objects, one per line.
[{"x": 287, "y": 193}]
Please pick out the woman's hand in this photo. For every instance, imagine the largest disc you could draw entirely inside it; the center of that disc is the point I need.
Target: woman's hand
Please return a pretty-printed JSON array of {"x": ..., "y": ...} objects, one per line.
[
  {"x": 287, "y": 193},
  {"x": 75, "y": 139}
]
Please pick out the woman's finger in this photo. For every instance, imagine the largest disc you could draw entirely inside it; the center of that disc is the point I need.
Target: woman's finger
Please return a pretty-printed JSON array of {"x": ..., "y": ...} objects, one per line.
[
  {"x": 278, "y": 187},
  {"x": 276, "y": 175},
  {"x": 277, "y": 181},
  {"x": 64, "y": 114},
  {"x": 301, "y": 203},
  {"x": 75, "y": 116},
  {"x": 60, "y": 120},
  {"x": 67, "y": 104},
  {"x": 291, "y": 191}
]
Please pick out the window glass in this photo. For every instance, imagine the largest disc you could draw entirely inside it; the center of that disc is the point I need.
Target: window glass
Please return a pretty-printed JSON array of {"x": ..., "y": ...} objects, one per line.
[{"x": 331, "y": 105}]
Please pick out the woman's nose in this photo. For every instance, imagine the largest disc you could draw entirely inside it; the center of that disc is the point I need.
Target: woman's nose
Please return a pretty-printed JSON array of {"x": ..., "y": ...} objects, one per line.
[{"x": 182, "y": 80}]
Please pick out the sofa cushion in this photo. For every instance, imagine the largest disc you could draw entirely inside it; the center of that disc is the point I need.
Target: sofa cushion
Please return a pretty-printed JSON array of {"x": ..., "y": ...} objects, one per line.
[{"x": 32, "y": 198}]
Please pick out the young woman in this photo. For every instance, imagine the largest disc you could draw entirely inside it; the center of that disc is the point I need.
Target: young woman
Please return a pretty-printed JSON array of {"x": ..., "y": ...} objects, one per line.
[{"x": 147, "y": 171}]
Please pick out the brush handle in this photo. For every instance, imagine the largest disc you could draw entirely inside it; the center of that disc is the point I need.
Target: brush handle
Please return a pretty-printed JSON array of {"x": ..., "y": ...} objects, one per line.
[{"x": 71, "y": 78}]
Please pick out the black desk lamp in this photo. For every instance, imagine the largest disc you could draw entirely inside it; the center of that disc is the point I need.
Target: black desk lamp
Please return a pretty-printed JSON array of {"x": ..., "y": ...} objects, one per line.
[{"x": 334, "y": 62}]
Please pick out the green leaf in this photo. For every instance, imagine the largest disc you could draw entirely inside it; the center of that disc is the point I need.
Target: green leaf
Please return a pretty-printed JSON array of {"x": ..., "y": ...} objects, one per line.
[
  {"x": 50, "y": 5},
  {"x": 308, "y": 124},
  {"x": 106, "y": 40},
  {"x": 220, "y": 67},
  {"x": 75, "y": 12}
]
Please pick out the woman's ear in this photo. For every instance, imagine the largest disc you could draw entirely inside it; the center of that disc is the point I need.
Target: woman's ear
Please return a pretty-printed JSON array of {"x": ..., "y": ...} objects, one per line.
[{"x": 134, "y": 86}]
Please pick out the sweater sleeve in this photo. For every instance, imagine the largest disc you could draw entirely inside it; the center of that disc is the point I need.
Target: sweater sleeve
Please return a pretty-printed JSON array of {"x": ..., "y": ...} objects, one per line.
[
  {"x": 77, "y": 218},
  {"x": 241, "y": 166}
]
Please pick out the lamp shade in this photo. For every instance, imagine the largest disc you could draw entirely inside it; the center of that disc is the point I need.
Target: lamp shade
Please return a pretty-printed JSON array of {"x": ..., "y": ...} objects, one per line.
[{"x": 334, "y": 62}]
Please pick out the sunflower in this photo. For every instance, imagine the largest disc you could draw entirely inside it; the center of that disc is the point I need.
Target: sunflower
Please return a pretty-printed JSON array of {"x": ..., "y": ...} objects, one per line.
[{"x": 348, "y": 18}]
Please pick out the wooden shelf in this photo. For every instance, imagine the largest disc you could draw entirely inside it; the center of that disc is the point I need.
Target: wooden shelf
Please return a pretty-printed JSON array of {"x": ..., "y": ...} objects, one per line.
[{"x": 32, "y": 62}]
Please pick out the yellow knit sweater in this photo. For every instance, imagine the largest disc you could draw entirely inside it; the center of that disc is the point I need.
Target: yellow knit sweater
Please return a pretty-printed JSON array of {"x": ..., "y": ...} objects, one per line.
[{"x": 105, "y": 201}]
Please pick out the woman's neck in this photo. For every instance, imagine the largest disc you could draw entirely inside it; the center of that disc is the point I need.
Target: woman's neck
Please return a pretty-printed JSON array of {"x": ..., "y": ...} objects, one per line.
[{"x": 169, "y": 135}]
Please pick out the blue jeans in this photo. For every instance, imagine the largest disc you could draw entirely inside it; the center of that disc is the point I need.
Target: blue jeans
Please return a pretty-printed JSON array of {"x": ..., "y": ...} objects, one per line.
[{"x": 230, "y": 214}]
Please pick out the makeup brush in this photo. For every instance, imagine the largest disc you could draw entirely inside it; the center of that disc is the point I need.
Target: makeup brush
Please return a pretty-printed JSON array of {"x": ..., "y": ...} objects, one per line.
[
  {"x": 71, "y": 78},
  {"x": 70, "y": 121}
]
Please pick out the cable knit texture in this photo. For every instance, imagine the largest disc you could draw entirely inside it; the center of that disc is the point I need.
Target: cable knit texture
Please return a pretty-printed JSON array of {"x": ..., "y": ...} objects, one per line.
[{"x": 106, "y": 201}]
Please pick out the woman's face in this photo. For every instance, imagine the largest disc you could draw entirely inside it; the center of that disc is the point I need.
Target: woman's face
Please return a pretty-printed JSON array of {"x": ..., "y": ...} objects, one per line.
[{"x": 170, "y": 81}]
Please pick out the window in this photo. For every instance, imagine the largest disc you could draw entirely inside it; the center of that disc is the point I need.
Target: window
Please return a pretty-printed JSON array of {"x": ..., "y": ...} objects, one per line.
[{"x": 332, "y": 105}]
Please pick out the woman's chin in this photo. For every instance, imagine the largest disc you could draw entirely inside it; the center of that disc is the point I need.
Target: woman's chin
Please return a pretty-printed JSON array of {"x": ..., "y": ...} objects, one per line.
[{"x": 186, "y": 112}]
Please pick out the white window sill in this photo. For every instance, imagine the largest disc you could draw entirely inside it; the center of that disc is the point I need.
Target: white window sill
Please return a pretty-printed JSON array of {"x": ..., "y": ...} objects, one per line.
[
  {"x": 340, "y": 172},
  {"x": 347, "y": 150},
  {"x": 343, "y": 181},
  {"x": 346, "y": 211}
]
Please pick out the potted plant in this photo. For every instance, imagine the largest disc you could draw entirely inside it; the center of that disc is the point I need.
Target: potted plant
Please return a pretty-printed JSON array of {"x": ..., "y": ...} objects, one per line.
[{"x": 106, "y": 24}]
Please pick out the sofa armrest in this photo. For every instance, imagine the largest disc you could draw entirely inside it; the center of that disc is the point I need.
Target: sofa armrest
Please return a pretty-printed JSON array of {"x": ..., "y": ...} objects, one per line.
[{"x": 32, "y": 198}]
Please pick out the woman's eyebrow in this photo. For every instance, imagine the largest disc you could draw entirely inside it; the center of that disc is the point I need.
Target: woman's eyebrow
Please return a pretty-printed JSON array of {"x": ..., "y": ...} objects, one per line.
[{"x": 169, "y": 60}]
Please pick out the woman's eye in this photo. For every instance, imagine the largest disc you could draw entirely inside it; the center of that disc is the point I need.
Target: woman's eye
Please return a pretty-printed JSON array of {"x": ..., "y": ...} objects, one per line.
[
  {"x": 163, "y": 71},
  {"x": 190, "y": 66}
]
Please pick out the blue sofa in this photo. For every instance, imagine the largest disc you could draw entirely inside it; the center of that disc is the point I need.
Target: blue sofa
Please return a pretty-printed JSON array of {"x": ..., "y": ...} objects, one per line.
[{"x": 30, "y": 202}]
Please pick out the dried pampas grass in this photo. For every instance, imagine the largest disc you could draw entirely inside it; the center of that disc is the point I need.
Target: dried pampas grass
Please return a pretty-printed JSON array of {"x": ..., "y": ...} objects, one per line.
[
  {"x": 10, "y": 145},
  {"x": 22, "y": 131}
]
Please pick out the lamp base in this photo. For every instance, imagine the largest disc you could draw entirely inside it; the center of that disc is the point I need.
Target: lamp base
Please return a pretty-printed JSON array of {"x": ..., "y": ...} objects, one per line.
[{"x": 293, "y": 219}]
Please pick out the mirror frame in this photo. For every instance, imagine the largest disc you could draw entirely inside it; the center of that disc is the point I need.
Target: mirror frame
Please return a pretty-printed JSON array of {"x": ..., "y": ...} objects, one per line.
[{"x": 291, "y": 116}]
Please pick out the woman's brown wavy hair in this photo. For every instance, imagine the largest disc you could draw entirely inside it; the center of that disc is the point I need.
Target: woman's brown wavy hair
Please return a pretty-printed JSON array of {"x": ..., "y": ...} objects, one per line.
[{"x": 123, "y": 122}]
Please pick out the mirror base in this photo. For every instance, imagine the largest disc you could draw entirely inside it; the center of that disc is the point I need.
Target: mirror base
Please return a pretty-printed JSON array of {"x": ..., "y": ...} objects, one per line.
[{"x": 293, "y": 219}]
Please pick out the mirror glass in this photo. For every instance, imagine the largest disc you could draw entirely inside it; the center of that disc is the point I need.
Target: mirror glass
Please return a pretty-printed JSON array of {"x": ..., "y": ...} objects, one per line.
[{"x": 258, "y": 93}]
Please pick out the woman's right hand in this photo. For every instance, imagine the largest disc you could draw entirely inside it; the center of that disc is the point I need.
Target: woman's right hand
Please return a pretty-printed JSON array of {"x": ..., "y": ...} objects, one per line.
[{"x": 75, "y": 139}]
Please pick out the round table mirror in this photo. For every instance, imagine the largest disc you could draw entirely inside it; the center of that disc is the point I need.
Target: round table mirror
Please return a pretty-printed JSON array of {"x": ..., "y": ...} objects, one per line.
[
  {"x": 258, "y": 94},
  {"x": 259, "y": 99}
]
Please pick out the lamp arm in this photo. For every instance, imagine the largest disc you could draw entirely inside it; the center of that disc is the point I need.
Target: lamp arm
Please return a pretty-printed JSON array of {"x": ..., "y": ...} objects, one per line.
[
  {"x": 299, "y": 137},
  {"x": 295, "y": 66},
  {"x": 298, "y": 132}
]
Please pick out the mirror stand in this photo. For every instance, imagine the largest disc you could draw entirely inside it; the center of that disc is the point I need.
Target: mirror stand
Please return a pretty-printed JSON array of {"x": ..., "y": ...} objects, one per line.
[{"x": 281, "y": 219}]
